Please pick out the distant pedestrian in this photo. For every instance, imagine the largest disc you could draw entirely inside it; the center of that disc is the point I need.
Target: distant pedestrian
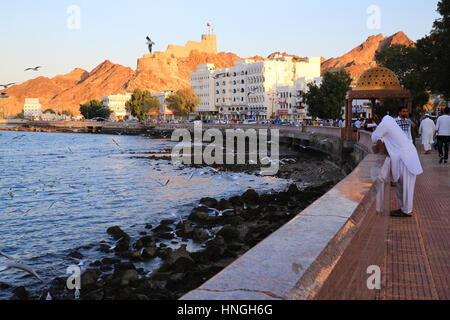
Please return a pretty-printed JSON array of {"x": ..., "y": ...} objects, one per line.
[
  {"x": 405, "y": 123},
  {"x": 426, "y": 132},
  {"x": 443, "y": 135}
]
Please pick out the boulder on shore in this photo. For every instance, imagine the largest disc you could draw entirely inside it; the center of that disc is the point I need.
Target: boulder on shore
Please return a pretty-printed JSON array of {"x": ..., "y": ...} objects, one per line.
[{"x": 118, "y": 233}]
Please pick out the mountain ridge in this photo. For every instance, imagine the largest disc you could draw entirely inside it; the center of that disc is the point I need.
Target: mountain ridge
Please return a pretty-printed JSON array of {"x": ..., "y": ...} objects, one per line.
[{"x": 161, "y": 71}]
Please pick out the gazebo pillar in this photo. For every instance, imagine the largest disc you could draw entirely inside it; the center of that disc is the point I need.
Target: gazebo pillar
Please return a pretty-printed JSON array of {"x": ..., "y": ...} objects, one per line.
[
  {"x": 348, "y": 119},
  {"x": 409, "y": 105}
]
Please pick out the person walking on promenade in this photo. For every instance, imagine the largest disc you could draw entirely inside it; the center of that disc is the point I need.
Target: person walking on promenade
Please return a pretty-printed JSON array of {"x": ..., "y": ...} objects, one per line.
[
  {"x": 405, "y": 163},
  {"x": 443, "y": 135},
  {"x": 404, "y": 123},
  {"x": 426, "y": 131}
]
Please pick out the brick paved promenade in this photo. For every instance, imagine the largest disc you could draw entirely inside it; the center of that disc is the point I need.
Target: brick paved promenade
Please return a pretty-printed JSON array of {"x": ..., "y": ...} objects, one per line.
[
  {"x": 418, "y": 249},
  {"x": 413, "y": 253}
]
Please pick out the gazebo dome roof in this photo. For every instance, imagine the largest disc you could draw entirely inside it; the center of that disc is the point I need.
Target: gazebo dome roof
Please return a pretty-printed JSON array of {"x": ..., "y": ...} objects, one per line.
[{"x": 378, "y": 78}]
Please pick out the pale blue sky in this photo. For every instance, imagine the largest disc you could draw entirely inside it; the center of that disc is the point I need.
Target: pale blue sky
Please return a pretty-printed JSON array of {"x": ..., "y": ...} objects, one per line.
[{"x": 36, "y": 33}]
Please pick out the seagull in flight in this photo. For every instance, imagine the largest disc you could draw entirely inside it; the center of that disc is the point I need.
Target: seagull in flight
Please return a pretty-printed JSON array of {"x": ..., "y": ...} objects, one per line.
[
  {"x": 18, "y": 137},
  {"x": 165, "y": 184},
  {"x": 272, "y": 160},
  {"x": 6, "y": 86},
  {"x": 115, "y": 244},
  {"x": 150, "y": 44},
  {"x": 117, "y": 144},
  {"x": 14, "y": 264},
  {"x": 20, "y": 211},
  {"x": 218, "y": 213},
  {"x": 177, "y": 216},
  {"x": 190, "y": 176},
  {"x": 34, "y": 69},
  {"x": 54, "y": 202}
]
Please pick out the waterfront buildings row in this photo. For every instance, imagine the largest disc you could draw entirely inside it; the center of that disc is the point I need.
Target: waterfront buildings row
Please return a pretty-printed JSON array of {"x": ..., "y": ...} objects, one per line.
[
  {"x": 32, "y": 108},
  {"x": 117, "y": 104},
  {"x": 258, "y": 90}
]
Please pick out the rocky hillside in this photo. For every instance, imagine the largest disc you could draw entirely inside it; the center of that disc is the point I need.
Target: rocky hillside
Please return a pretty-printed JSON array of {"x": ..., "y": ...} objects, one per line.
[
  {"x": 363, "y": 56},
  {"x": 155, "y": 73}
]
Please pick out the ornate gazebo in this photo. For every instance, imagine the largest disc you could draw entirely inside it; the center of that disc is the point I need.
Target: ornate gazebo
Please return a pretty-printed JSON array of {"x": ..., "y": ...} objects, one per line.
[{"x": 375, "y": 84}]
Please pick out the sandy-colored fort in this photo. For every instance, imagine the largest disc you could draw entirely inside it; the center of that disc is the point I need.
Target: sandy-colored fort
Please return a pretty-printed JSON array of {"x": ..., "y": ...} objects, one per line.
[
  {"x": 169, "y": 58},
  {"x": 208, "y": 44}
]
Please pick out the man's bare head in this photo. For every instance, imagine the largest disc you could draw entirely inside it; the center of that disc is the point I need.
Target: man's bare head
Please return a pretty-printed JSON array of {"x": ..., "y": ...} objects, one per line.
[{"x": 403, "y": 112}]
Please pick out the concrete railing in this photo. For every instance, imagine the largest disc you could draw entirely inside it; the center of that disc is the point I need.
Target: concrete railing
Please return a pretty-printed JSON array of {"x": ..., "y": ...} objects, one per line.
[
  {"x": 296, "y": 261},
  {"x": 326, "y": 131},
  {"x": 364, "y": 140}
]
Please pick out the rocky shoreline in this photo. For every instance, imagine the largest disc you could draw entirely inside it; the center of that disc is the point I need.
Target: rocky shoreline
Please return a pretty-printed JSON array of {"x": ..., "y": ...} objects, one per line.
[
  {"x": 239, "y": 223},
  {"x": 223, "y": 230}
]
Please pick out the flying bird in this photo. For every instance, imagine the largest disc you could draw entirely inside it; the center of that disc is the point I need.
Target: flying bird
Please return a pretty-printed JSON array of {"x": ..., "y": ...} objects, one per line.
[
  {"x": 115, "y": 244},
  {"x": 219, "y": 213},
  {"x": 5, "y": 86},
  {"x": 117, "y": 144},
  {"x": 190, "y": 177},
  {"x": 150, "y": 44},
  {"x": 272, "y": 160},
  {"x": 177, "y": 216},
  {"x": 54, "y": 202},
  {"x": 20, "y": 211},
  {"x": 18, "y": 137},
  {"x": 14, "y": 264},
  {"x": 165, "y": 184},
  {"x": 34, "y": 69},
  {"x": 6, "y": 256}
]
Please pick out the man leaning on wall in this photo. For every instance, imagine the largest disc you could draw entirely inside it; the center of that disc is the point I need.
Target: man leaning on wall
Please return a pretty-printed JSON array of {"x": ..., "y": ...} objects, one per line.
[{"x": 405, "y": 163}]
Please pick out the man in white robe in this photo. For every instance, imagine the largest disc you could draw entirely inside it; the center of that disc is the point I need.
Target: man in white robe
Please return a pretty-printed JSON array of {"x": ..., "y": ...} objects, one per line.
[
  {"x": 405, "y": 163},
  {"x": 426, "y": 131}
]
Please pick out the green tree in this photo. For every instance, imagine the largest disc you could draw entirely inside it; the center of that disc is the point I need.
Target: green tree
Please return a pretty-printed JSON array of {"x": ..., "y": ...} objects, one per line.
[
  {"x": 94, "y": 109},
  {"x": 49, "y": 110},
  {"x": 407, "y": 64},
  {"x": 182, "y": 102},
  {"x": 435, "y": 50},
  {"x": 67, "y": 113},
  {"x": 328, "y": 100},
  {"x": 142, "y": 104},
  {"x": 20, "y": 115}
]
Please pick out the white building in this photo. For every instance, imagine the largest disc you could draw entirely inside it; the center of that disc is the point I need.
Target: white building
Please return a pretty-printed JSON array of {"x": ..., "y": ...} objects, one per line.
[
  {"x": 202, "y": 83},
  {"x": 249, "y": 90},
  {"x": 32, "y": 108},
  {"x": 162, "y": 96},
  {"x": 117, "y": 104},
  {"x": 290, "y": 102}
]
